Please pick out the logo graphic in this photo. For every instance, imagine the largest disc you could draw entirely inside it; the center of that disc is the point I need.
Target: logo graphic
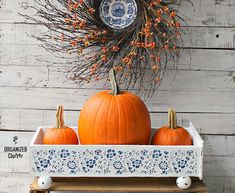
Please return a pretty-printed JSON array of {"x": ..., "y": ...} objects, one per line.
[{"x": 15, "y": 138}]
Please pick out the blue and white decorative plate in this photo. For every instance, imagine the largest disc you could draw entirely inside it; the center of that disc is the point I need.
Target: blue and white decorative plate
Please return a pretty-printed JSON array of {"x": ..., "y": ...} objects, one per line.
[{"x": 118, "y": 14}]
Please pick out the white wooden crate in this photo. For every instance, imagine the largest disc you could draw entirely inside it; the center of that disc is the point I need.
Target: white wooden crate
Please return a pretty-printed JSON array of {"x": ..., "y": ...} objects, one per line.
[{"x": 116, "y": 160}]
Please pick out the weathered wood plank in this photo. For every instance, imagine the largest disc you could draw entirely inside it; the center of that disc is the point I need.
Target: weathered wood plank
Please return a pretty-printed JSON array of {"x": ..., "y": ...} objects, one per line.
[
  {"x": 30, "y": 119},
  {"x": 204, "y": 59},
  {"x": 15, "y": 182},
  {"x": 23, "y": 55},
  {"x": 182, "y": 101},
  {"x": 195, "y": 37},
  {"x": 217, "y": 145},
  {"x": 187, "y": 80},
  {"x": 220, "y": 184},
  {"x": 192, "y": 59},
  {"x": 209, "y": 12},
  {"x": 219, "y": 166}
]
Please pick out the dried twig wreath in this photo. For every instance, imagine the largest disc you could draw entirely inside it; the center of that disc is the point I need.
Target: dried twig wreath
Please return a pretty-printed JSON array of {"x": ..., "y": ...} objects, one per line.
[{"x": 135, "y": 37}]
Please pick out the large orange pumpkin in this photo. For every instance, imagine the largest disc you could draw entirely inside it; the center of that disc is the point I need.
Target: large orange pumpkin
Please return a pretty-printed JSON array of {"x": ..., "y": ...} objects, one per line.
[
  {"x": 114, "y": 117},
  {"x": 172, "y": 134},
  {"x": 61, "y": 134}
]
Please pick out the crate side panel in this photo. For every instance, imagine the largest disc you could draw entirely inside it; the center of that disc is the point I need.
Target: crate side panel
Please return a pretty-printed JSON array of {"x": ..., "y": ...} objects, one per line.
[{"x": 116, "y": 161}]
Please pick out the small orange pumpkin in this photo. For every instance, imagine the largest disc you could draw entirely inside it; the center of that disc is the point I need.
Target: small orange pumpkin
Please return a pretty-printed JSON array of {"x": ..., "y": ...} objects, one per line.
[
  {"x": 60, "y": 134},
  {"x": 172, "y": 134},
  {"x": 114, "y": 118}
]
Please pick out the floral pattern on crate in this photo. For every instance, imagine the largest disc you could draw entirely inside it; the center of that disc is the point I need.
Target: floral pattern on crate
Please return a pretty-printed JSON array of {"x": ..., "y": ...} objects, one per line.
[{"x": 108, "y": 162}]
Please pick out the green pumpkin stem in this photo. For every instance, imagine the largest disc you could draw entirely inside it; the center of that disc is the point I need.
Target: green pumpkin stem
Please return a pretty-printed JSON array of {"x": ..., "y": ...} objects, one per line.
[
  {"x": 114, "y": 86},
  {"x": 60, "y": 118},
  {"x": 172, "y": 119}
]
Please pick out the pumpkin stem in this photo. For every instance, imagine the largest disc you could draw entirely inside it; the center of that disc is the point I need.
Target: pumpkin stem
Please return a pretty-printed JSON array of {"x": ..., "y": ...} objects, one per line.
[
  {"x": 172, "y": 119},
  {"x": 114, "y": 86},
  {"x": 60, "y": 117}
]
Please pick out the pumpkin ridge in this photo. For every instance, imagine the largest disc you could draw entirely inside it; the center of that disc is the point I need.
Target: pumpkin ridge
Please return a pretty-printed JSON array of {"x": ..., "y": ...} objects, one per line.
[
  {"x": 185, "y": 133},
  {"x": 119, "y": 118},
  {"x": 125, "y": 116},
  {"x": 134, "y": 109},
  {"x": 94, "y": 122},
  {"x": 66, "y": 139},
  {"x": 108, "y": 118},
  {"x": 179, "y": 136},
  {"x": 99, "y": 95},
  {"x": 169, "y": 136},
  {"x": 58, "y": 136}
]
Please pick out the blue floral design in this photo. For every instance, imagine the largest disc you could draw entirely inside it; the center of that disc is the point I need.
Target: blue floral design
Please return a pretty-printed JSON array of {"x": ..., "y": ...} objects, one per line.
[
  {"x": 117, "y": 165},
  {"x": 71, "y": 165},
  {"x": 98, "y": 152},
  {"x": 51, "y": 151},
  {"x": 136, "y": 163},
  {"x": 64, "y": 153},
  {"x": 111, "y": 153},
  {"x": 118, "y": 14},
  {"x": 44, "y": 163},
  {"x": 190, "y": 152},
  {"x": 90, "y": 163},
  {"x": 182, "y": 163},
  {"x": 144, "y": 152},
  {"x": 157, "y": 153},
  {"x": 103, "y": 162},
  {"x": 163, "y": 165}
]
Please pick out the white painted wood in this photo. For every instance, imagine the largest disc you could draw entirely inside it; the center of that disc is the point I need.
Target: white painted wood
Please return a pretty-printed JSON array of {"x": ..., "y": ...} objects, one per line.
[
  {"x": 187, "y": 80},
  {"x": 23, "y": 55},
  {"x": 214, "y": 145},
  {"x": 15, "y": 182},
  {"x": 220, "y": 184},
  {"x": 182, "y": 101},
  {"x": 217, "y": 145},
  {"x": 192, "y": 59},
  {"x": 216, "y": 148},
  {"x": 219, "y": 166},
  {"x": 29, "y": 119},
  {"x": 204, "y": 59},
  {"x": 41, "y": 151},
  {"x": 194, "y": 37},
  {"x": 209, "y": 12}
]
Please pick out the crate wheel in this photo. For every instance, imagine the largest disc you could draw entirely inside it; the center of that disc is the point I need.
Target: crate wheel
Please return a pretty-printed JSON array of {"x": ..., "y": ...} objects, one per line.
[
  {"x": 183, "y": 182},
  {"x": 44, "y": 182}
]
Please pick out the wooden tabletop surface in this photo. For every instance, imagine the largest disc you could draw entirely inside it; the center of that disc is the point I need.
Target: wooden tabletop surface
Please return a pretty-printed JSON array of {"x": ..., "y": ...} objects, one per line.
[{"x": 120, "y": 185}]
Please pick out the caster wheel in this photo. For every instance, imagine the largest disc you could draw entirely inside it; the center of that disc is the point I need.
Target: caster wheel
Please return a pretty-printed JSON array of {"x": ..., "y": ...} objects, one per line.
[
  {"x": 183, "y": 182},
  {"x": 44, "y": 182}
]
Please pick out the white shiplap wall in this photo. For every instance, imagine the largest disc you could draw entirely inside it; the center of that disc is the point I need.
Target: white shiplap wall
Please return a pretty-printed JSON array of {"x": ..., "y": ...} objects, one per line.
[{"x": 202, "y": 89}]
